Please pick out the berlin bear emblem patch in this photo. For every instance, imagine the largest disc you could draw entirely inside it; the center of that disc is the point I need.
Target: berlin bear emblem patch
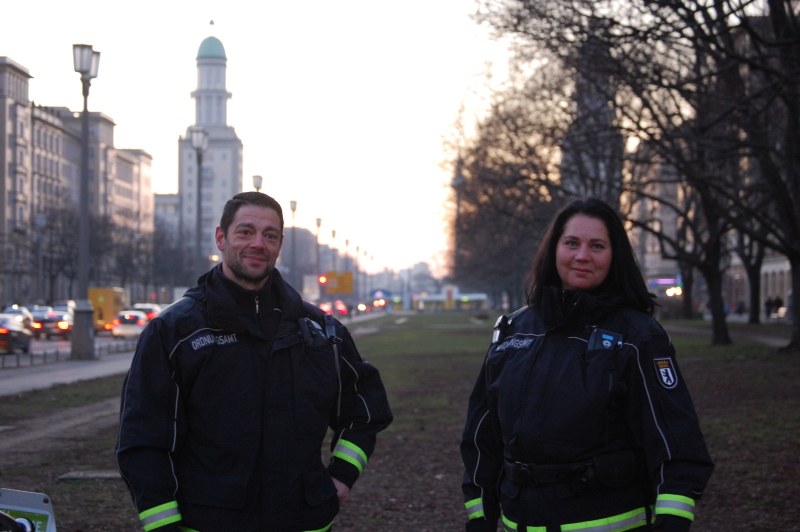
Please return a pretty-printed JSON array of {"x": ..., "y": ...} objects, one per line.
[{"x": 666, "y": 373}]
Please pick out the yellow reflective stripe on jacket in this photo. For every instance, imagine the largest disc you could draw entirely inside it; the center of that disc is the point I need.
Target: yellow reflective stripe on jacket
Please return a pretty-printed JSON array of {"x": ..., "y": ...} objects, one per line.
[
  {"x": 616, "y": 523},
  {"x": 160, "y": 516},
  {"x": 350, "y": 452},
  {"x": 675, "y": 505},
  {"x": 511, "y": 526},
  {"x": 323, "y": 529},
  {"x": 474, "y": 508}
]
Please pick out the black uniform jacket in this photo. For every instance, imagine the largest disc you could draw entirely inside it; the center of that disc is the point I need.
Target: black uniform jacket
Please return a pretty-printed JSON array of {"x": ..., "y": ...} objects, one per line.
[
  {"x": 226, "y": 405},
  {"x": 616, "y": 422}
]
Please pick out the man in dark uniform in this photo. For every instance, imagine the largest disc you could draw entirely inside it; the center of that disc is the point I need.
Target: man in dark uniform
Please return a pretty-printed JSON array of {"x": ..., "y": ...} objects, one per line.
[{"x": 231, "y": 392}]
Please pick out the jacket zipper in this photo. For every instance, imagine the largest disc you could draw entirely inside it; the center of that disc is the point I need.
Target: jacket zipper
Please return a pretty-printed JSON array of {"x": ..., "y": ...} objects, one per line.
[{"x": 256, "y": 305}]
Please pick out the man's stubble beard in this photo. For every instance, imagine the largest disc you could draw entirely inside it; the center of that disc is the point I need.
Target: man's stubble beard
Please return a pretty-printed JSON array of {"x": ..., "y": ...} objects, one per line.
[{"x": 236, "y": 267}]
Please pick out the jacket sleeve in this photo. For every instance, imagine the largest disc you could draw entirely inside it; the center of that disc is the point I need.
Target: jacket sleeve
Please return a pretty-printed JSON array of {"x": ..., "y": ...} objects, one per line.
[
  {"x": 148, "y": 432},
  {"x": 665, "y": 425},
  {"x": 362, "y": 412},
  {"x": 482, "y": 454}
]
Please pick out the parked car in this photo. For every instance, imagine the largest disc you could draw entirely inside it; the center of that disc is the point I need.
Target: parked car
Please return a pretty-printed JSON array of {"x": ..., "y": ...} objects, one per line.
[
  {"x": 129, "y": 324},
  {"x": 54, "y": 323},
  {"x": 151, "y": 309},
  {"x": 22, "y": 313},
  {"x": 39, "y": 313},
  {"x": 13, "y": 334}
]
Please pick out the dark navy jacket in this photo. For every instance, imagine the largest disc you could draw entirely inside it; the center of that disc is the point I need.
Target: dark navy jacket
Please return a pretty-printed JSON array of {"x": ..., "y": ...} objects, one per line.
[
  {"x": 226, "y": 406},
  {"x": 621, "y": 412}
]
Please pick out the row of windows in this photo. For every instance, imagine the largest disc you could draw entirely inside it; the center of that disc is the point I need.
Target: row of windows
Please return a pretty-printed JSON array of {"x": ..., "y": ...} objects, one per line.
[
  {"x": 46, "y": 165},
  {"x": 125, "y": 212},
  {"x": 123, "y": 191},
  {"x": 47, "y": 187},
  {"x": 18, "y": 88},
  {"x": 208, "y": 156},
  {"x": 48, "y": 140}
]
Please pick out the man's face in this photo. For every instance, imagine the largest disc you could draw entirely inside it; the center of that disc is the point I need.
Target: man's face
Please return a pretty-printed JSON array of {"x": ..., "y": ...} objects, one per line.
[{"x": 252, "y": 246}]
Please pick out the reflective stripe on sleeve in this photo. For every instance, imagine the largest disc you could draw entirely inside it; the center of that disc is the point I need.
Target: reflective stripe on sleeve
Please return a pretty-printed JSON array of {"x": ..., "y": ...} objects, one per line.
[
  {"x": 617, "y": 523},
  {"x": 324, "y": 529},
  {"x": 160, "y": 516},
  {"x": 509, "y": 525},
  {"x": 474, "y": 508},
  {"x": 675, "y": 505},
  {"x": 187, "y": 529},
  {"x": 350, "y": 452}
]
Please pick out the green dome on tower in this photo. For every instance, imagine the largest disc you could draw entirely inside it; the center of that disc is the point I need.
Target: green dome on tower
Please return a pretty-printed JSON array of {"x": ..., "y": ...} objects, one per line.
[{"x": 211, "y": 47}]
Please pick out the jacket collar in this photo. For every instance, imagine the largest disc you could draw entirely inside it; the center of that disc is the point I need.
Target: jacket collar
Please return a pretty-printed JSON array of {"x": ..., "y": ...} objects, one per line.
[
  {"x": 562, "y": 307},
  {"x": 231, "y": 307}
]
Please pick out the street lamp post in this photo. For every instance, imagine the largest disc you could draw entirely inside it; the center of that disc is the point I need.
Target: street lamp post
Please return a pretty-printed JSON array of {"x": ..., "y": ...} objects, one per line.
[
  {"x": 86, "y": 62},
  {"x": 333, "y": 248},
  {"x": 319, "y": 223},
  {"x": 257, "y": 182},
  {"x": 293, "y": 206},
  {"x": 200, "y": 144},
  {"x": 355, "y": 274},
  {"x": 40, "y": 219}
]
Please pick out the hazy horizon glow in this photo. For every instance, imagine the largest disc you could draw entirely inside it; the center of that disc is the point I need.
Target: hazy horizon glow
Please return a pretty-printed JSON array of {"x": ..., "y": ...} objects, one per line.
[{"x": 342, "y": 108}]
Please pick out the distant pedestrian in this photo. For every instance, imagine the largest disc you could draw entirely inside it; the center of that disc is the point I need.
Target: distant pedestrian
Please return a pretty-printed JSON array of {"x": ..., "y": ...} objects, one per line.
[{"x": 768, "y": 304}]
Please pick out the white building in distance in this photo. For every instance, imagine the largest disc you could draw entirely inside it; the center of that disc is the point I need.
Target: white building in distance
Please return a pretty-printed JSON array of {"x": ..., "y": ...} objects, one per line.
[{"x": 222, "y": 161}]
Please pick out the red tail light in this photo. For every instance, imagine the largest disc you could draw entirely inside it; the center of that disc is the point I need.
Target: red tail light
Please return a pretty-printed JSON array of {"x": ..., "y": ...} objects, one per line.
[
  {"x": 140, "y": 322},
  {"x": 151, "y": 315},
  {"x": 63, "y": 325},
  {"x": 116, "y": 321},
  {"x": 109, "y": 326},
  {"x": 3, "y": 330},
  {"x": 36, "y": 325}
]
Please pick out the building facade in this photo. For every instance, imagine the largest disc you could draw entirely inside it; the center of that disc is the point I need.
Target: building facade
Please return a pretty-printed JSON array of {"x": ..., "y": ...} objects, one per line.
[{"x": 40, "y": 152}]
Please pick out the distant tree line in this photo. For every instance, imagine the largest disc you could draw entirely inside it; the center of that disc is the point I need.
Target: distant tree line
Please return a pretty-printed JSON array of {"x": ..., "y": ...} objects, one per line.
[{"x": 685, "y": 115}]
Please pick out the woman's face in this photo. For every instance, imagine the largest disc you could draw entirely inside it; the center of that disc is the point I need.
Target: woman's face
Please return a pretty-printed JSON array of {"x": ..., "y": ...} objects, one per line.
[{"x": 583, "y": 253}]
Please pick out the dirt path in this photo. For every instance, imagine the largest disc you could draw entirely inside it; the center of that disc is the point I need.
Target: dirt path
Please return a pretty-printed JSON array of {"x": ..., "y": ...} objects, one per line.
[{"x": 24, "y": 441}]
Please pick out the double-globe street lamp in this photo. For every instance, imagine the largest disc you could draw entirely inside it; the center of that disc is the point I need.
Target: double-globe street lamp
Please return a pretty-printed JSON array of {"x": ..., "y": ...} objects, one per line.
[
  {"x": 86, "y": 62},
  {"x": 199, "y": 139}
]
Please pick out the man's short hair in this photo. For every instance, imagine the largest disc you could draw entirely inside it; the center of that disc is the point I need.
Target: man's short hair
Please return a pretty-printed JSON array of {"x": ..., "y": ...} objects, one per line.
[{"x": 241, "y": 199}]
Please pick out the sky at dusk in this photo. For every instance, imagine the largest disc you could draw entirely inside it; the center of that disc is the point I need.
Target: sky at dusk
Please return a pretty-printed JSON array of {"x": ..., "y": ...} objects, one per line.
[{"x": 341, "y": 106}]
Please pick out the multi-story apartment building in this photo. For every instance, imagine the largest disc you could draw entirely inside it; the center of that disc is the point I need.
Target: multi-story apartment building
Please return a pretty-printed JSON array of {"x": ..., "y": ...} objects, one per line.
[{"x": 40, "y": 151}]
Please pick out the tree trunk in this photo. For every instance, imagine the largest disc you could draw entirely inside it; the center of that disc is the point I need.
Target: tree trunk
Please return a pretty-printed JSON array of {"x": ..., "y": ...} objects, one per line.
[
  {"x": 755, "y": 296},
  {"x": 716, "y": 304}
]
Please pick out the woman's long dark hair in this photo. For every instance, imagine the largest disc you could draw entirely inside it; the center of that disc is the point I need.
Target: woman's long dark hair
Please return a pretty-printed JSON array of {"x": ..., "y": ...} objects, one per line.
[{"x": 624, "y": 279}]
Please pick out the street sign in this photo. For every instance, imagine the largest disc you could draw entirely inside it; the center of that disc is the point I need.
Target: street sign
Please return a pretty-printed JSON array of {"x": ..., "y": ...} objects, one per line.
[{"x": 339, "y": 282}]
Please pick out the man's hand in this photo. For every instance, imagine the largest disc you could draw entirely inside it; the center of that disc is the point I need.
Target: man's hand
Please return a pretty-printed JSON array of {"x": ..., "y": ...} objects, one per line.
[{"x": 341, "y": 490}]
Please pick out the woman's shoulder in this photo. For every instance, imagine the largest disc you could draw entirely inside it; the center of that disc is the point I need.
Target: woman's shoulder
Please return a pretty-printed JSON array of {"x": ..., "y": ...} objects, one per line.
[
  {"x": 637, "y": 323},
  {"x": 525, "y": 320}
]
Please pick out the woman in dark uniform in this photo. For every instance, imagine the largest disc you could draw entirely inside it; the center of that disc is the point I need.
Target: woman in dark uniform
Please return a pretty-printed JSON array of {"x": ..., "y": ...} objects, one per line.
[{"x": 580, "y": 419}]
